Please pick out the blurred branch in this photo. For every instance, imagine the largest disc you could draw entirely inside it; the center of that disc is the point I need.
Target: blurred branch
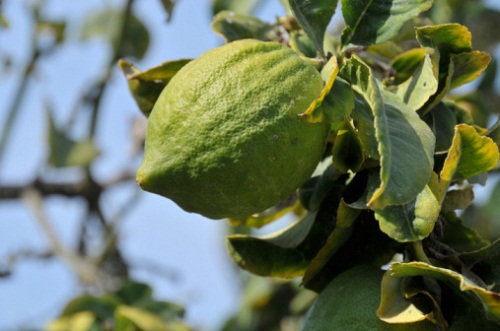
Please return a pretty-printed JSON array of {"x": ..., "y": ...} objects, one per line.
[
  {"x": 83, "y": 188},
  {"x": 101, "y": 86},
  {"x": 86, "y": 270},
  {"x": 13, "y": 110},
  {"x": 11, "y": 260}
]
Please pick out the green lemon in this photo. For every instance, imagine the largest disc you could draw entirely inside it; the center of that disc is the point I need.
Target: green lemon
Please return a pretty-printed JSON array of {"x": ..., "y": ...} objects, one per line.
[{"x": 225, "y": 138}]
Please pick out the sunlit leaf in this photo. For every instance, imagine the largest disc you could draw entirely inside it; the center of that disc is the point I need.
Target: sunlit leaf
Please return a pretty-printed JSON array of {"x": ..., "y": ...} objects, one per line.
[
  {"x": 314, "y": 17},
  {"x": 81, "y": 321},
  {"x": 448, "y": 39},
  {"x": 146, "y": 86},
  {"x": 234, "y": 26},
  {"x": 468, "y": 66},
  {"x": 405, "y": 142},
  {"x": 445, "y": 40},
  {"x": 413, "y": 221},
  {"x": 109, "y": 24},
  {"x": 373, "y": 22},
  {"x": 397, "y": 303},
  {"x": 131, "y": 318},
  {"x": 490, "y": 301},
  {"x": 316, "y": 113},
  {"x": 417, "y": 89},
  {"x": 469, "y": 155},
  {"x": 407, "y": 63}
]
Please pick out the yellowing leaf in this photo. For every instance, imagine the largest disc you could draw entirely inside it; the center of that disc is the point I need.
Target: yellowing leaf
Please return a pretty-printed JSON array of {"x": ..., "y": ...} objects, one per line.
[
  {"x": 468, "y": 66},
  {"x": 405, "y": 143},
  {"x": 469, "y": 155},
  {"x": 127, "y": 318},
  {"x": 489, "y": 300},
  {"x": 81, "y": 321}
]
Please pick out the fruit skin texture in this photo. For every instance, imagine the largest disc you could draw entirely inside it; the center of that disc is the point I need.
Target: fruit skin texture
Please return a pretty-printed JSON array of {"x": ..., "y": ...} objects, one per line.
[{"x": 225, "y": 138}]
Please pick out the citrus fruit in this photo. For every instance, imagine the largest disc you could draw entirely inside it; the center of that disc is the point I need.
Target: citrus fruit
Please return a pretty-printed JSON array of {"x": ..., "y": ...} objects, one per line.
[{"x": 225, "y": 138}]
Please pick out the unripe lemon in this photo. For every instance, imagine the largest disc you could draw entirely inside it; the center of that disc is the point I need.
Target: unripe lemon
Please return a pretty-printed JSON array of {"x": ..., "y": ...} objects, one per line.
[{"x": 225, "y": 138}]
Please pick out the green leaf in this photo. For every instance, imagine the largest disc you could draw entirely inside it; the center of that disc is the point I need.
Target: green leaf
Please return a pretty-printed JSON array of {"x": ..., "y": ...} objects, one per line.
[
  {"x": 66, "y": 152},
  {"x": 3, "y": 22},
  {"x": 417, "y": 89},
  {"x": 487, "y": 255},
  {"x": 372, "y": 22},
  {"x": 363, "y": 118},
  {"x": 275, "y": 255},
  {"x": 400, "y": 302},
  {"x": 234, "y": 26},
  {"x": 168, "y": 5},
  {"x": 459, "y": 237},
  {"x": 109, "y": 24},
  {"x": 314, "y": 112},
  {"x": 347, "y": 151},
  {"x": 442, "y": 122},
  {"x": 468, "y": 66},
  {"x": 469, "y": 155},
  {"x": 407, "y": 63},
  {"x": 365, "y": 245},
  {"x": 133, "y": 292},
  {"x": 56, "y": 28},
  {"x": 489, "y": 300},
  {"x": 349, "y": 303},
  {"x": 237, "y": 6},
  {"x": 131, "y": 318},
  {"x": 413, "y": 221},
  {"x": 314, "y": 191},
  {"x": 405, "y": 142},
  {"x": 314, "y": 17},
  {"x": 147, "y": 86},
  {"x": 81, "y": 321},
  {"x": 447, "y": 39},
  {"x": 336, "y": 100},
  {"x": 346, "y": 216},
  {"x": 103, "y": 308},
  {"x": 458, "y": 199},
  {"x": 302, "y": 44}
]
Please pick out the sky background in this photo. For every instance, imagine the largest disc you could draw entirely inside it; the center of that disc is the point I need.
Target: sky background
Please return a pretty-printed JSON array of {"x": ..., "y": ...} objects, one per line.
[{"x": 156, "y": 231}]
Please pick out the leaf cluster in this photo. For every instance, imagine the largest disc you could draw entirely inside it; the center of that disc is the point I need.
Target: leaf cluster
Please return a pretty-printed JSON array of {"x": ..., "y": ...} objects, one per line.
[{"x": 403, "y": 156}]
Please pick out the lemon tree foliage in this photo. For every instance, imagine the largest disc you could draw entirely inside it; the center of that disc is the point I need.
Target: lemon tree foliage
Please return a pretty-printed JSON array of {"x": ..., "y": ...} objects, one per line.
[{"x": 359, "y": 136}]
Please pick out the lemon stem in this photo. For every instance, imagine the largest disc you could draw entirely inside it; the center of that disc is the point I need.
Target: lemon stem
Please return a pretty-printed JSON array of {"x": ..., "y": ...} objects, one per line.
[{"x": 418, "y": 249}]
